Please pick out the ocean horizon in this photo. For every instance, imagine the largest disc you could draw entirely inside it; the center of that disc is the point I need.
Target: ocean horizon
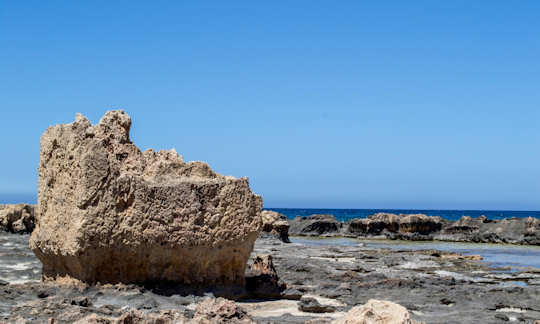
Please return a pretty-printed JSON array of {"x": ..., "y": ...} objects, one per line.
[{"x": 344, "y": 214}]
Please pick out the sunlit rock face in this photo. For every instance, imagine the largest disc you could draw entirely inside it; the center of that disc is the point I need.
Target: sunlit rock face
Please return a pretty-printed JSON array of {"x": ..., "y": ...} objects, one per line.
[{"x": 110, "y": 213}]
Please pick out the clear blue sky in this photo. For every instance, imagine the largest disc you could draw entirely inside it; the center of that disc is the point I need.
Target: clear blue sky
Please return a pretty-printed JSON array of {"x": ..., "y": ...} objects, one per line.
[{"x": 387, "y": 104}]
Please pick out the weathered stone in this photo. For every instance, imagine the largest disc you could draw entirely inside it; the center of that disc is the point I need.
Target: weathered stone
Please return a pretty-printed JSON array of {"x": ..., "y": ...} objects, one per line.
[
  {"x": 275, "y": 225},
  {"x": 316, "y": 224},
  {"x": 383, "y": 221},
  {"x": 110, "y": 213},
  {"x": 220, "y": 310},
  {"x": 17, "y": 218},
  {"x": 386, "y": 223},
  {"x": 419, "y": 223},
  {"x": 311, "y": 305},
  {"x": 135, "y": 317},
  {"x": 261, "y": 278},
  {"x": 377, "y": 312}
]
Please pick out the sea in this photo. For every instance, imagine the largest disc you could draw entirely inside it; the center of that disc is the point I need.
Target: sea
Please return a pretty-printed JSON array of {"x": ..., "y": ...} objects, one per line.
[
  {"x": 342, "y": 214},
  {"x": 347, "y": 214}
]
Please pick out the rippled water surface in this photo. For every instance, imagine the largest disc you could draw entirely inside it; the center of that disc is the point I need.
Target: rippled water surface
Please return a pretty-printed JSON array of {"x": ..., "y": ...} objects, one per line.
[
  {"x": 17, "y": 262},
  {"x": 499, "y": 255}
]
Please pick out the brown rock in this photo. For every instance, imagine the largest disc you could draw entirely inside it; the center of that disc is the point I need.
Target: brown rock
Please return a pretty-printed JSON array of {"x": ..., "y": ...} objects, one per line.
[
  {"x": 262, "y": 279},
  {"x": 419, "y": 223},
  {"x": 17, "y": 218},
  {"x": 377, "y": 312},
  {"x": 135, "y": 317},
  {"x": 275, "y": 225},
  {"x": 459, "y": 256},
  {"x": 383, "y": 221},
  {"x": 110, "y": 213},
  {"x": 220, "y": 310}
]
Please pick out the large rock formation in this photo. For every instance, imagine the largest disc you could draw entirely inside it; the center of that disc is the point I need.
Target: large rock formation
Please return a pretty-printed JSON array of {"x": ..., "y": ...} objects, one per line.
[
  {"x": 111, "y": 213},
  {"x": 275, "y": 225},
  {"x": 17, "y": 218}
]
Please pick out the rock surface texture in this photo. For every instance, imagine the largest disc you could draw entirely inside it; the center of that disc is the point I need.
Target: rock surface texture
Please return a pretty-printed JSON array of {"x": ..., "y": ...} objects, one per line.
[
  {"x": 110, "y": 213},
  {"x": 275, "y": 225},
  {"x": 219, "y": 310},
  {"x": 262, "y": 280},
  {"x": 316, "y": 224},
  {"x": 377, "y": 312},
  {"x": 17, "y": 218}
]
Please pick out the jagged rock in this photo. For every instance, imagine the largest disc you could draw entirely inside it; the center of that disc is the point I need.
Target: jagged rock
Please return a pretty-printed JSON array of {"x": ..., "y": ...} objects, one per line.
[
  {"x": 377, "y": 312},
  {"x": 465, "y": 224},
  {"x": 275, "y": 225},
  {"x": 419, "y": 223},
  {"x": 220, "y": 310},
  {"x": 386, "y": 223},
  {"x": 316, "y": 224},
  {"x": 262, "y": 280},
  {"x": 515, "y": 230},
  {"x": 17, "y": 218},
  {"x": 110, "y": 213}
]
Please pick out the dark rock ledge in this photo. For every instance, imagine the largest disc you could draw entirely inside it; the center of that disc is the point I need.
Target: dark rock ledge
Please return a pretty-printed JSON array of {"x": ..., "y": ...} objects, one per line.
[{"x": 420, "y": 227}]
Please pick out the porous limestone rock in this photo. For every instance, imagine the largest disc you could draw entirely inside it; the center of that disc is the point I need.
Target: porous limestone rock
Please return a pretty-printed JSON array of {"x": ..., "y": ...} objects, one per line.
[
  {"x": 133, "y": 316},
  {"x": 110, "y": 213},
  {"x": 17, "y": 218},
  {"x": 377, "y": 312},
  {"x": 275, "y": 225},
  {"x": 220, "y": 310}
]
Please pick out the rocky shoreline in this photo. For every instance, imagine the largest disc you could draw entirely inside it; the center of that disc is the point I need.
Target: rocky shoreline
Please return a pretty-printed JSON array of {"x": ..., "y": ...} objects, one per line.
[
  {"x": 320, "y": 283},
  {"x": 419, "y": 227},
  {"x": 125, "y": 236}
]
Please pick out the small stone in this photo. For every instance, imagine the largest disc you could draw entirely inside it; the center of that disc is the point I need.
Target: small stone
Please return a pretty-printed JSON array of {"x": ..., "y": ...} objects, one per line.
[
  {"x": 43, "y": 294},
  {"x": 502, "y": 317},
  {"x": 81, "y": 301},
  {"x": 311, "y": 305},
  {"x": 446, "y": 301}
]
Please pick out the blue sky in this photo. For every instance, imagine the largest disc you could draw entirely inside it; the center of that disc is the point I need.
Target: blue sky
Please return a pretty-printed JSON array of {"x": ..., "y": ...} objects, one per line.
[{"x": 388, "y": 104}]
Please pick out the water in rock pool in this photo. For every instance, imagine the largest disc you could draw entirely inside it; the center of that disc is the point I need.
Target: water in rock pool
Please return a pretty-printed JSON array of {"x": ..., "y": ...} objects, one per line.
[
  {"x": 498, "y": 255},
  {"x": 18, "y": 263}
]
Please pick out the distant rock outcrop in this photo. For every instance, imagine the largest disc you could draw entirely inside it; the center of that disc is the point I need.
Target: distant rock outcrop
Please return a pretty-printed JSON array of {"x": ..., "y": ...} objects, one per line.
[
  {"x": 275, "y": 225},
  {"x": 17, "y": 218},
  {"x": 316, "y": 224},
  {"x": 110, "y": 213},
  {"x": 420, "y": 227},
  {"x": 385, "y": 223}
]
